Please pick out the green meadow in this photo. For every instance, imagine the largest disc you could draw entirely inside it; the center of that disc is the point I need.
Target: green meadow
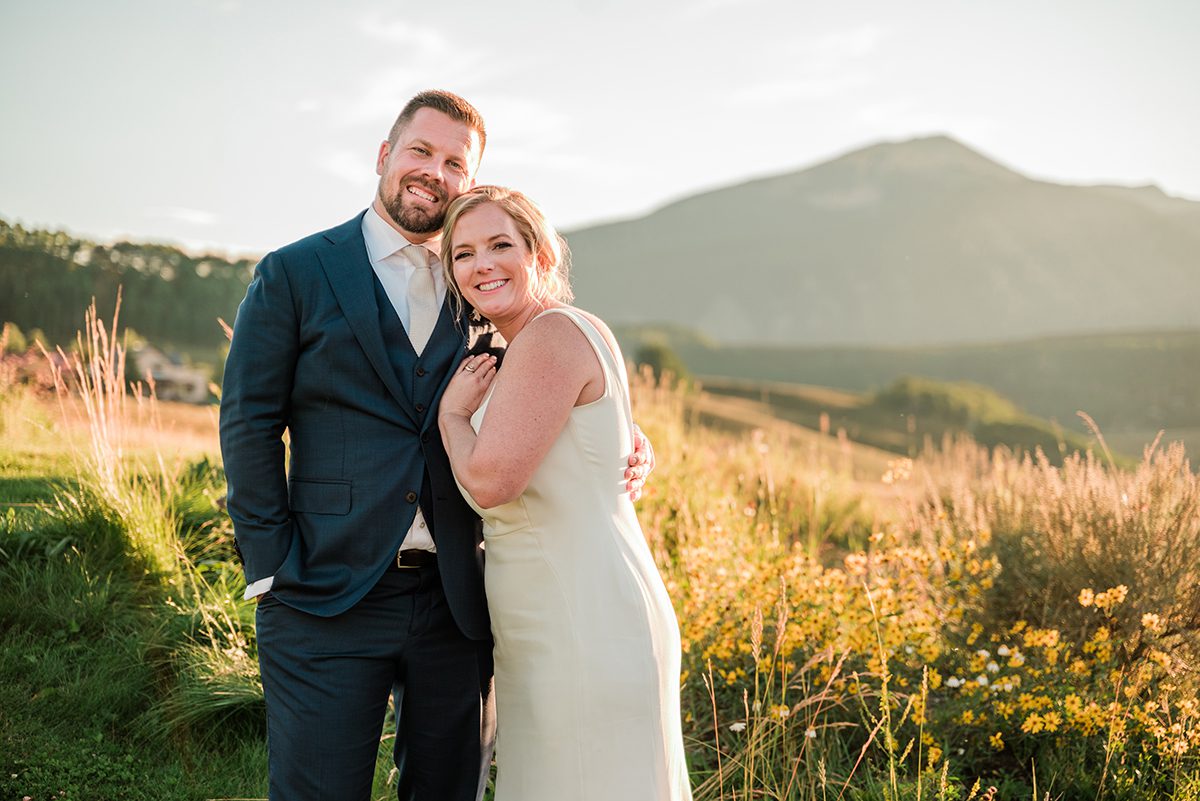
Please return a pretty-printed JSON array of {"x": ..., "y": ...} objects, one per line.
[{"x": 870, "y": 619}]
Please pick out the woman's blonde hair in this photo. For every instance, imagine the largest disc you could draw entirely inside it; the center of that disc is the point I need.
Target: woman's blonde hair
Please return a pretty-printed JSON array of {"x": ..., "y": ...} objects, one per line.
[{"x": 551, "y": 256}]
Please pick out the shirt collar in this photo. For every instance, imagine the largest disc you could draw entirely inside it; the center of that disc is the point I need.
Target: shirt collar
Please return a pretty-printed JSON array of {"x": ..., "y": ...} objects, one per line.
[{"x": 381, "y": 238}]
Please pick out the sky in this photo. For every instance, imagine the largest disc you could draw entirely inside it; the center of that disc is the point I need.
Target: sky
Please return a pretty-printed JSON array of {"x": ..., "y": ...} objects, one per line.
[{"x": 241, "y": 125}]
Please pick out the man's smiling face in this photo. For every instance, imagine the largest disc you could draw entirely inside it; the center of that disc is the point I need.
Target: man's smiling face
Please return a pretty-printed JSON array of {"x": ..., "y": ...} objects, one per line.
[{"x": 432, "y": 162}]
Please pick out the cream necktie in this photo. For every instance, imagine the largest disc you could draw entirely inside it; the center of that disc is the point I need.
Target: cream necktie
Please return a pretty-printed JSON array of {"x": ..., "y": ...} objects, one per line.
[{"x": 422, "y": 297}]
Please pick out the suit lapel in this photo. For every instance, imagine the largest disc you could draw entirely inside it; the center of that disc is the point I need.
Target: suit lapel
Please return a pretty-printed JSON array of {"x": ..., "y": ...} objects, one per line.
[
  {"x": 448, "y": 328},
  {"x": 470, "y": 338},
  {"x": 348, "y": 269}
]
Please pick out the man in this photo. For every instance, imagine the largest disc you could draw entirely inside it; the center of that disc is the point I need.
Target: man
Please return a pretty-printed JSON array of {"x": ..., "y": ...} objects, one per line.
[{"x": 364, "y": 557}]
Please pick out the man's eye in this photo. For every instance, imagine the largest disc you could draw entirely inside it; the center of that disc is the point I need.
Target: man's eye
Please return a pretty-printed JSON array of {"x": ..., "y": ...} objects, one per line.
[
  {"x": 421, "y": 150},
  {"x": 455, "y": 165}
]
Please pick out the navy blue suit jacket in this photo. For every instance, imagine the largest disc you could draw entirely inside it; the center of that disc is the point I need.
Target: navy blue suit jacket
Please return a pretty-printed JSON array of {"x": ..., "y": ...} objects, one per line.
[{"x": 309, "y": 356}]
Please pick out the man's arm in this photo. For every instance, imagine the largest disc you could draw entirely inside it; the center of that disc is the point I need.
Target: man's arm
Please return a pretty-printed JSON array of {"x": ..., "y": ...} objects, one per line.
[{"x": 255, "y": 409}]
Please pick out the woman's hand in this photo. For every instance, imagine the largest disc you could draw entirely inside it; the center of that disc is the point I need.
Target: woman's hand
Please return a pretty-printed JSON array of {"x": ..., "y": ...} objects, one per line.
[{"x": 468, "y": 386}]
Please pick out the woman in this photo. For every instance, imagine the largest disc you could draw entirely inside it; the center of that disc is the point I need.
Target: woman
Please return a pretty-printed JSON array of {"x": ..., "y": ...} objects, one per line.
[{"x": 586, "y": 641}]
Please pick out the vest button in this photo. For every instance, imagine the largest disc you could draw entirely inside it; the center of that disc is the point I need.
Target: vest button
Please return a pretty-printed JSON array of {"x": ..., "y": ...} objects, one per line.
[
  {"x": 420, "y": 372},
  {"x": 425, "y": 437},
  {"x": 411, "y": 497}
]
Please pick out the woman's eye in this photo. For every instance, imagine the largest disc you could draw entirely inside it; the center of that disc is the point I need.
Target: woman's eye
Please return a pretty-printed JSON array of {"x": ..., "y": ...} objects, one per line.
[
  {"x": 503, "y": 245},
  {"x": 462, "y": 255}
]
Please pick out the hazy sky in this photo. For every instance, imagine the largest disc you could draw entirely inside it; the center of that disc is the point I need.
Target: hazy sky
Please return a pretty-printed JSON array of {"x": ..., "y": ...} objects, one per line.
[{"x": 248, "y": 124}]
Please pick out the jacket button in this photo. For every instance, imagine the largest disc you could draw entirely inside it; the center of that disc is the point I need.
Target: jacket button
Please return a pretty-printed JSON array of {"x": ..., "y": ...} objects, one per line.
[
  {"x": 420, "y": 372},
  {"x": 420, "y": 407},
  {"x": 425, "y": 437},
  {"x": 411, "y": 497}
]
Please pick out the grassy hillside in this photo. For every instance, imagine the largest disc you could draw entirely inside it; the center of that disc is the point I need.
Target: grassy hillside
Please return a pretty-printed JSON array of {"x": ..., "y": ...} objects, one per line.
[
  {"x": 1133, "y": 385},
  {"x": 906, "y": 417}
]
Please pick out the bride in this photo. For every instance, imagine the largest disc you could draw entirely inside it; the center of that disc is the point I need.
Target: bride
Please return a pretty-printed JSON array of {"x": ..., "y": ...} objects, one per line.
[{"x": 586, "y": 641}]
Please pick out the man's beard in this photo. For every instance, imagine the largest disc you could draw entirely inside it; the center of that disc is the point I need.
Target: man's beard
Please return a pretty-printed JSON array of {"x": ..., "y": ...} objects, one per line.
[{"x": 414, "y": 220}]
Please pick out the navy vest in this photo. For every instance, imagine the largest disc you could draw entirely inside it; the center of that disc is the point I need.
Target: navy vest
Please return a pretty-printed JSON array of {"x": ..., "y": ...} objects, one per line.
[{"x": 420, "y": 376}]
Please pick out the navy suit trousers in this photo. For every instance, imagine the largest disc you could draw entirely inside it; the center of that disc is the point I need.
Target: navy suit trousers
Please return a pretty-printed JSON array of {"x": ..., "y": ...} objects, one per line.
[{"x": 327, "y": 681}]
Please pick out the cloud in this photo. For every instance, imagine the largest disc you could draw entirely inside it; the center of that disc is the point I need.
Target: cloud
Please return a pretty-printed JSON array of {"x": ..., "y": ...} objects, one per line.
[
  {"x": 183, "y": 215},
  {"x": 386, "y": 92},
  {"x": 826, "y": 66},
  {"x": 350, "y": 167},
  {"x": 800, "y": 88},
  {"x": 841, "y": 46},
  {"x": 380, "y": 100},
  {"x": 522, "y": 122},
  {"x": 418, "y": 39},
  {"x": 524, "y": 132},
  {"x": 531, "y": 157},
  {"x": 704, "y": 8},
  {"x": 412, "y": 48},
  {"x": 414, "y": 53},
  {"x": 904, "y": 116}
]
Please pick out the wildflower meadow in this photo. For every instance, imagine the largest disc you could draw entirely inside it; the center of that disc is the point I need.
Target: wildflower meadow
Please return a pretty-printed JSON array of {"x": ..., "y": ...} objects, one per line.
[{"x": 970, "y": 624}]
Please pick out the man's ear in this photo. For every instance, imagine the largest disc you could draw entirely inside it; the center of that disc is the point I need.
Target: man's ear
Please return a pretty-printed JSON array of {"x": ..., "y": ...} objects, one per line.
[{"x": 385, "y": 148}]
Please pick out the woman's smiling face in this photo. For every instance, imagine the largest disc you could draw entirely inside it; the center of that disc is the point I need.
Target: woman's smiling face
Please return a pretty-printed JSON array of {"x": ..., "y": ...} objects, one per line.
[{"x": 493, "y": 265}]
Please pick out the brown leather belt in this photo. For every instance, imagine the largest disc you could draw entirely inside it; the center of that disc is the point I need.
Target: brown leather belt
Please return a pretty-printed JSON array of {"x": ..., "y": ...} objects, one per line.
[{"x": 413, "y": 558}]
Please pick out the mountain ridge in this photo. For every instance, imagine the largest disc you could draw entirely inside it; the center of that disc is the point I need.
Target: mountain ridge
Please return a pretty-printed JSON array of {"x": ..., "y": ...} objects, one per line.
[{"x": 919, "y": 241}]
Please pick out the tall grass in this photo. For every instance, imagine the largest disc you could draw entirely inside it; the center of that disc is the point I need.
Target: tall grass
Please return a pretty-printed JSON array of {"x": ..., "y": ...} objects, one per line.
[
  {"x": 1084, "y": 527},
  {"x": 969, "y": 624},
  {"x": 170, "y": 513},
  {"x": 947, "y": 650}
]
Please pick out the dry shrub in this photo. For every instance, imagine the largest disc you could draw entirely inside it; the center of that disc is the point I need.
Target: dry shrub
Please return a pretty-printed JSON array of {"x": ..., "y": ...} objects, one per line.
[{"x": 1067, "y": 535}]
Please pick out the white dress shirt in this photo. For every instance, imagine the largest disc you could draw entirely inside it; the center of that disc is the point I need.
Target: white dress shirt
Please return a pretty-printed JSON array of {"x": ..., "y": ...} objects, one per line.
[{"x": 383, "y": 241}]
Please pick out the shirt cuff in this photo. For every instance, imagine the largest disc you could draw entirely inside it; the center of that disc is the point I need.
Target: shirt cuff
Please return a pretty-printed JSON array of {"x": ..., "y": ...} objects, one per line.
[{"x": 258, "y": 588}]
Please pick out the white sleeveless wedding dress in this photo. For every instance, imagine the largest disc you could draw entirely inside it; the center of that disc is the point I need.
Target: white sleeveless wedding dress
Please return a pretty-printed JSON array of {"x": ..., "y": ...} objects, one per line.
[{"x": 587, "y": 643}]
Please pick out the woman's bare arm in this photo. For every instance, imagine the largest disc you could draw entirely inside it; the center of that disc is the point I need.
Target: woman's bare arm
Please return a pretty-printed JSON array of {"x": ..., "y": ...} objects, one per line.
[{"x": 548, "y": 370}]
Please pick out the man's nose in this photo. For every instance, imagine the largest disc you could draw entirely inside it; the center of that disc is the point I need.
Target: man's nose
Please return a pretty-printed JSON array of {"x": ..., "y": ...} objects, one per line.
[{"x": 434, "y": 171}]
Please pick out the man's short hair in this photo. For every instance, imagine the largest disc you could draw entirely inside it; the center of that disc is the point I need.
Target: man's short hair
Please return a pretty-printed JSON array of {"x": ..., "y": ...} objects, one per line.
[{"x": 447, "y": 103}]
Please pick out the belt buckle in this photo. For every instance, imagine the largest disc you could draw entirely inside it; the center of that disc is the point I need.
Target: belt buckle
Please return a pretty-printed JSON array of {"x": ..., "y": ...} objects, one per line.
[{"x": 404, "y": 567}]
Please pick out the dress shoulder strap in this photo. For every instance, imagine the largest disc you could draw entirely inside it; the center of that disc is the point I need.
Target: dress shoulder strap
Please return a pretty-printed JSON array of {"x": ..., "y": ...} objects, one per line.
[{"x": 616, "y": 379}]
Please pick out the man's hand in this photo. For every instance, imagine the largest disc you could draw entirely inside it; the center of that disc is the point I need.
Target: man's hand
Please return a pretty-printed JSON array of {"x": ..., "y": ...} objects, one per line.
[{"x": 641, "y": 462}]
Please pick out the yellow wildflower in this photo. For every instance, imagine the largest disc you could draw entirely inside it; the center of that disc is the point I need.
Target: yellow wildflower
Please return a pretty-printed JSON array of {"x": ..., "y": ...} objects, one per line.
[
  {"x": 1111, "y": 597},
  {"x": 1153, "y": 623}
]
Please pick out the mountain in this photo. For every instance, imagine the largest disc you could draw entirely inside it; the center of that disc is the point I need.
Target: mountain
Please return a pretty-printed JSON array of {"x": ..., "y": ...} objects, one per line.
[{"x": 917, "y": 242}]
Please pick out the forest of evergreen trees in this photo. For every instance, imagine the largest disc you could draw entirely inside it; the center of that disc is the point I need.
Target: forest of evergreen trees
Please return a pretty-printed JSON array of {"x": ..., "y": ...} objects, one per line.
[{"x": 48, "y": 278}]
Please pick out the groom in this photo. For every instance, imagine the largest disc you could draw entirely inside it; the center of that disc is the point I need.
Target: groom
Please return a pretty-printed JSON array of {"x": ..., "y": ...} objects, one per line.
[{"x": 363, "y": 556}]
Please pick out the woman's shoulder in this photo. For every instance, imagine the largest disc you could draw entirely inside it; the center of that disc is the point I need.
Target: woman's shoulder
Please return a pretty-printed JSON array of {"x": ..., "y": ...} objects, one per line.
[
  {"x": 554, "y": 324},
  {"x": 549, "y": 334},
  {"x": 559, "y": 326},
  {"x": 556, "y": 334}
]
